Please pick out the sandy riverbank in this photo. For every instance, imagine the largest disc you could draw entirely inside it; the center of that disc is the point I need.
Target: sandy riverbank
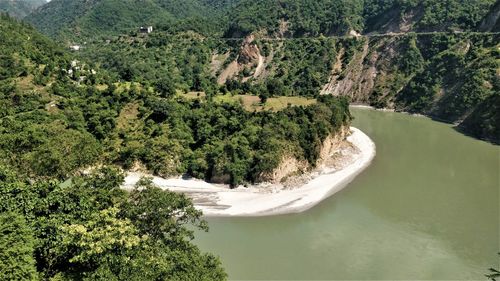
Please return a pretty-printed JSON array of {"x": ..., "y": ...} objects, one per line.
[
  {"x": 266, "y": 199},
  {"x": 364, "y": 106}
]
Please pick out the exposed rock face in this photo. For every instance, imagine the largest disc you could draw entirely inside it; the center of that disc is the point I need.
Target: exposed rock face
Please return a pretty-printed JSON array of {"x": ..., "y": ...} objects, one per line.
[
  {"x": 368, "y": 67},
  {"x": 378, "y": 73},
  {"x": 352, "y": 83},
  {"x": 230, "y": 71},
  {"x": 394, "y": 21},
  {"x": 331, "y": 144},
  {"x": 249, "y": 58},
  {"x": 290, "y": 166},
  {"x": 249, "y": 52}
]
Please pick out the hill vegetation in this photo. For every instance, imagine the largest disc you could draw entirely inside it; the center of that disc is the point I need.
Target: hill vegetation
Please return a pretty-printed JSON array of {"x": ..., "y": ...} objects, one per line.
[
  {"x": 337, "y": 17},
  {"x": 85, "y": 228},
  {"x": 402, "y": 71},
  {"x": 20, "y": 8},
  {"x": 444, "y": 75},
  {"x": 77, "y": 19},
  {"x": 64, "y": 118},
  {"x": 80, "y": 19}
]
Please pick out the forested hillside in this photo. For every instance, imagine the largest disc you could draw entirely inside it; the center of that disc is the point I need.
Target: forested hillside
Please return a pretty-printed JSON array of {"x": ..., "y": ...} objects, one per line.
[
  {"x": 77, "y": 19},
  {"x": 447, "y": 76},
  {"x": 20, "y": 8},
  {"x": 85, "y": 228},
  {"x": 199, "y": 49},
  {"x": 339, "y": 17},
  {"x": 67, "y": 129}
]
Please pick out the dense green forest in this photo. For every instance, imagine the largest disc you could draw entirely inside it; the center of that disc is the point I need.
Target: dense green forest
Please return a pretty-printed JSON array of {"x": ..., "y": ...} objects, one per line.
[
  {"x": 85, "y": 228},
  {"x": 311, "y": 18},
  {"x": 186, "y": 52},
  {"x": 95, "y": 118},
  {"x": 20, "y": 8},
  {"x": 470, "y": 64},
  {"x": 72, "y": 19},
  {"x": 90, "y": 229},
  {"x": 75, "y": 19}
]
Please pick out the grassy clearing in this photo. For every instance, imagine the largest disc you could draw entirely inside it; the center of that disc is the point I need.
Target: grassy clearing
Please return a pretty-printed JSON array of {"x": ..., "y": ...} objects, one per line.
[
  {"x": 27, "y": 84},
  {"x": 252, "y": 103},
  {"x": 128, "y": 116},
  {"x": 122, "y": 86}
]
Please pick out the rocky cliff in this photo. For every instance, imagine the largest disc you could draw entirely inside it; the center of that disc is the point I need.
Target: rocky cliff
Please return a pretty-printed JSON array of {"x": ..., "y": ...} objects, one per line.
[{"x": 291, "y": 166}]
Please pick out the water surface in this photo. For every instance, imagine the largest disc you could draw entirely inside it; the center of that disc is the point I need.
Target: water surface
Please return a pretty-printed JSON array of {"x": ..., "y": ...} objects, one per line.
[{"x": 427, "y": 208}]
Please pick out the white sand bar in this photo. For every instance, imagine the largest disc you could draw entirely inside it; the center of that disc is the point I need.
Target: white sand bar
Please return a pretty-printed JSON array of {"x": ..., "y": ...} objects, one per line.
[{"x": 266, "y": 200}]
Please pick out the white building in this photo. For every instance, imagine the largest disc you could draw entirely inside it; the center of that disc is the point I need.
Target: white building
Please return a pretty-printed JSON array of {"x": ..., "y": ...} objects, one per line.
[{"x": 147, "y": 29}]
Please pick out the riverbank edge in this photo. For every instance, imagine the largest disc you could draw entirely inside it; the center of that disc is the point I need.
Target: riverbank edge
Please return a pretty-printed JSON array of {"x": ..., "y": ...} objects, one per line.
[{"x": 257, "y": 201}]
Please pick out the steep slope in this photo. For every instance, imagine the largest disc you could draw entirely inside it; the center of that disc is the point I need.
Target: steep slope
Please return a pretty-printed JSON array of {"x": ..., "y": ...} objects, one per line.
[
  {"x": 295, "y": 17},
  {"x": 446, "y": 69},
  {"x": 33, "y": 72},
  {"x": 491, "y": 21},
  {"x": 299, "y": 18},
  {"x": 70, "y": 19},
  {"x": 421, "y": 16},
  {"x": 23, "y": 50},
  {"x": 84, "y": 18},
  {"x": 285, "y": 18},
  {"x": 450, "y": 77},
  {"x": 20, "y": 8},
  {"x": 53, "y": 112}
]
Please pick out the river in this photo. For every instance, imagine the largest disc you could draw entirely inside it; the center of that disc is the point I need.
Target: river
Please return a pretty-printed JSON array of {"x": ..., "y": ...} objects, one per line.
[{"x": 427, "y": 208}]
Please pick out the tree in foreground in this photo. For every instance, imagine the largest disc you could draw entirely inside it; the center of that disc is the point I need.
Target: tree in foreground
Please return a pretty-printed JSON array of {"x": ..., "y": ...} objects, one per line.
[
  {"x": 16, "y": 248},
  {"x": 90, "y": 229}
]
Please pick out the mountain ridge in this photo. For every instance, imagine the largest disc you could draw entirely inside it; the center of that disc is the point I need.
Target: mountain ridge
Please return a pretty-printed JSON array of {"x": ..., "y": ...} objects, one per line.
[
  {"x": 287, "y": 18},
  {"x": 20, "y": 8}
]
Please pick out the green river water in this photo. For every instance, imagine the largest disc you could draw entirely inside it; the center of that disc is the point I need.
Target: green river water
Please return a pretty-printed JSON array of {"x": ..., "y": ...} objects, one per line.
[{"x": 427, "y": 208}]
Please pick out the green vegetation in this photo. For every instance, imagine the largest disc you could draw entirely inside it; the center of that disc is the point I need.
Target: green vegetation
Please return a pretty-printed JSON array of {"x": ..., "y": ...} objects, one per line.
[
  {"x": 20, "y": 8},
  {"x": 430, "y": 15},
  {"x": 160, "y": 60},
  {"x": 298, "y": 17},
  {"x": 79, "y": 19},
  {"x": 458, "y": 79},
  {"x": 254, "y": 103},
  {"x": 16, "y": 248},
  {"x": 180, "y": 54},
  {"x": 65, "y": 116},
  {"x": 90, "y": 230},
  {"x": 300, "y": 67},
  {"x": 75, "y": 123},
  {"x": 183, "y": 62},
  {"x": 311, "y": 18},
  {"x": 222, "y": 142},
  {"x": 86, "y": 228}
]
